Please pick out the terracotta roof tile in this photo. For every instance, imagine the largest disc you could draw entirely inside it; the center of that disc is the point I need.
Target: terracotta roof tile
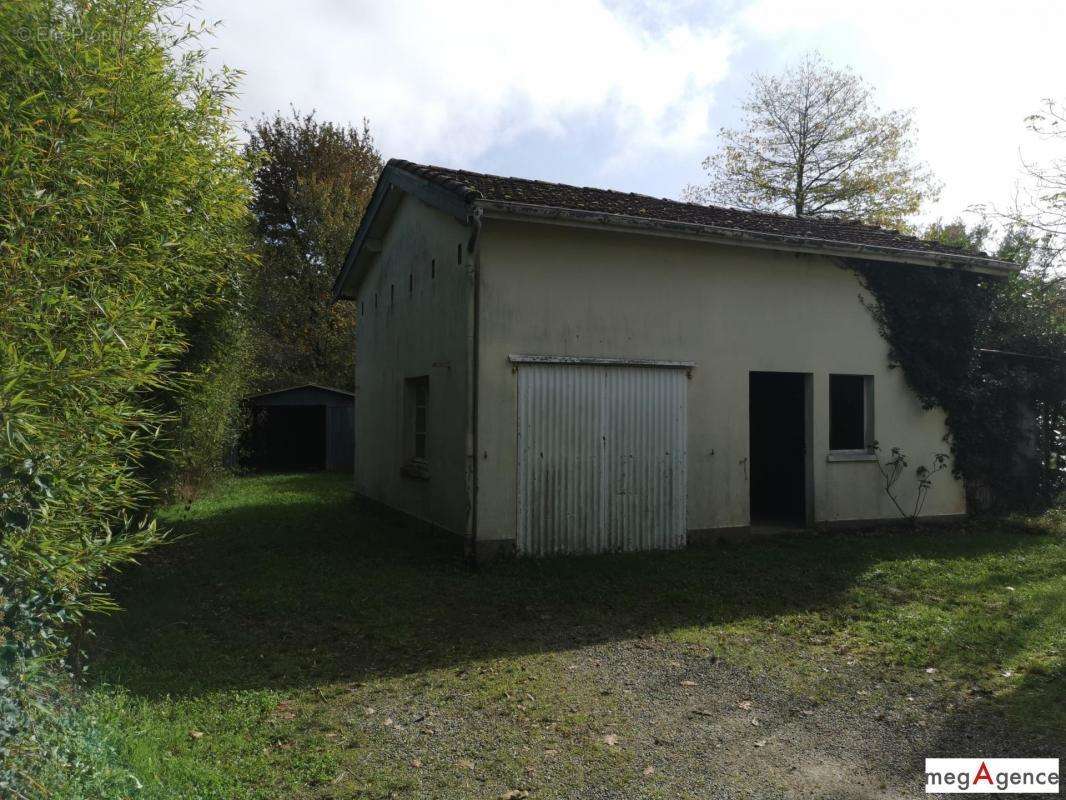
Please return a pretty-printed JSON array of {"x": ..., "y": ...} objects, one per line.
[{"x": 473, "y": 186}]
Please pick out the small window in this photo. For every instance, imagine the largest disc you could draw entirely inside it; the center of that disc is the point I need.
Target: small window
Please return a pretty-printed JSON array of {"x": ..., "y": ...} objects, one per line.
[
  {"x": 375, "y": 299},
  {"x": 850, "y": 412},
  {"x": 410, "y": 284},
  {"x": 362, "y": 308},
  {"x": 416, "y": 408},
  {"x": 433, "y": 268},
  {"x": 459, "y": 253},
  {"x": 392, "y": 296}
]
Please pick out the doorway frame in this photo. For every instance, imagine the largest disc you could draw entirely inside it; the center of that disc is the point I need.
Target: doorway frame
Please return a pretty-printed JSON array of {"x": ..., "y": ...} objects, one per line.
[{"x": 808, "y": 442}]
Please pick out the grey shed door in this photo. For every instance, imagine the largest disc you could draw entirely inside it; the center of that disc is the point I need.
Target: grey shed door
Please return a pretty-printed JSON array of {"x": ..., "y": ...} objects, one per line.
[{"x": 601, "y": 458}]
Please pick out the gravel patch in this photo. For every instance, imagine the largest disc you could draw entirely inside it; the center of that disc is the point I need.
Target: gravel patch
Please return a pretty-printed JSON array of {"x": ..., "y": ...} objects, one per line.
[{"x": 662, "y": 719}]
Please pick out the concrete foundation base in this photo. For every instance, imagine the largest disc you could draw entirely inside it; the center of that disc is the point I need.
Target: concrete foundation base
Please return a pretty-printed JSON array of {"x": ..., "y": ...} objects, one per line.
[
  {"x": 886, "y": 522},
  {"x": 488, "y": 550},
  {"x": 699, "y": 537},
  {"x": 704, "y": 536},
  {"x": 484, "y": 551}
]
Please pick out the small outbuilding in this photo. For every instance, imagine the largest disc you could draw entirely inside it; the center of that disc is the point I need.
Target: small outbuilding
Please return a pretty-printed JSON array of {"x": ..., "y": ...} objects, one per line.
[
  {"x": 301, "y": 428},
  {"x": 545, "y": 368}
]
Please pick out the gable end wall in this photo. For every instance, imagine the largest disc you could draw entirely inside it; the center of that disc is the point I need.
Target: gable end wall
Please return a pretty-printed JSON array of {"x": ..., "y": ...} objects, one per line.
[{"x": 410, "y": 334}]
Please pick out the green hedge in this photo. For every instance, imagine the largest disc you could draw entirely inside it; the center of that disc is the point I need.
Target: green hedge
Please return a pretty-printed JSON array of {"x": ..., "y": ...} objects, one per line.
[{"x": 123, "y": 246}]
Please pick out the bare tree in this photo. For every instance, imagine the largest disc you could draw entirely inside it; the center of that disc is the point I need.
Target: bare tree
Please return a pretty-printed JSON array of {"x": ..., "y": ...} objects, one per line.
[
  {"x": 813, "y": 143},
  {"x": 1042, "y": 206}
]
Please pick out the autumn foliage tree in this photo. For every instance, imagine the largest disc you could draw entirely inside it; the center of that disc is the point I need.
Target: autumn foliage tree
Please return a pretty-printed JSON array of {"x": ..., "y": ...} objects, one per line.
[
  {"x": 312, "y": 183},
  {"x": 813, "y": 143}
]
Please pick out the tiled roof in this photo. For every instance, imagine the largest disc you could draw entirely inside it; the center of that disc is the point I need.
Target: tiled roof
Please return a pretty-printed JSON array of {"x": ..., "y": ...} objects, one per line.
[{"x": 474, "y": 186}]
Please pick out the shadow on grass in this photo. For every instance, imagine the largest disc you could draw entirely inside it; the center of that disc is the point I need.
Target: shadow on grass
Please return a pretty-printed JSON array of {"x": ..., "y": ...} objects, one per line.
[
  {"x": 1027, "y": 722},
  {"x": 310, "y": 589}
]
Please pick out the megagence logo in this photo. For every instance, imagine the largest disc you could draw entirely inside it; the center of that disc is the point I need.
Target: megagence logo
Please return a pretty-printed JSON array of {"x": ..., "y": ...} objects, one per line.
[{"x": 992, "y": 776}]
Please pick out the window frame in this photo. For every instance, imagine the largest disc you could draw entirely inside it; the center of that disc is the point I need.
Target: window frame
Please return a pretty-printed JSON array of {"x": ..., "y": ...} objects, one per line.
[{"x": 866, "y": 452}]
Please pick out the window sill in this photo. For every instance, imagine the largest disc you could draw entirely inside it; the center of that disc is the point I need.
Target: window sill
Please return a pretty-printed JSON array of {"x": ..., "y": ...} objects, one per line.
[
  {"x": 834, "y": 456},
  {"x": 416, "y": 468}
]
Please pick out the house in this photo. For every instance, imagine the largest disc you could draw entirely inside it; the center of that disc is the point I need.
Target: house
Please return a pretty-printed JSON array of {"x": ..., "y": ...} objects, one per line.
[
  {"x": 544, "y": 368},
  {"x": 299, "y": 428}
]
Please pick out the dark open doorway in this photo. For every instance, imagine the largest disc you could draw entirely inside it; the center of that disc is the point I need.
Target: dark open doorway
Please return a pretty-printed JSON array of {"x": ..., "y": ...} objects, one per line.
[
  {"x": 778, "y": 447},
  {"x": 289, "y": 438}
]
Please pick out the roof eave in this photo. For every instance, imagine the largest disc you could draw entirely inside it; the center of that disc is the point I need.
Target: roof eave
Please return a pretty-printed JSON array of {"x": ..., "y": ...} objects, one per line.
[
  {"x": 460, "y": 204},
  {"x": 737, "y": 237}
]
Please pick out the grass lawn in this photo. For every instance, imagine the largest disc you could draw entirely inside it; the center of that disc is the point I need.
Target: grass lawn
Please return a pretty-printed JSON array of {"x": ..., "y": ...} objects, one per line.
[{"x": 292, "y": 645}]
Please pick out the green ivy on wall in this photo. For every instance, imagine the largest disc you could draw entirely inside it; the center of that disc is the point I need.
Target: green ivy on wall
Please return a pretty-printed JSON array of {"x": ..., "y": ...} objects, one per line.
[{"x": 1004, "y": 409}]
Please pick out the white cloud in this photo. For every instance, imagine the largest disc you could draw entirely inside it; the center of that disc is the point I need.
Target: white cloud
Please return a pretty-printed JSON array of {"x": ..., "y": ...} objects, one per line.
[
  {"x": 446, "y": 81},
  {"x": 621, "y": 93},
  {"x": 970, "y": 70}
]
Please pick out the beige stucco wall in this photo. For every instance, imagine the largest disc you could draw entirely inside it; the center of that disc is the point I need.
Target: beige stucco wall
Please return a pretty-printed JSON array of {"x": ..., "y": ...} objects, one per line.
[
  {"x": 424, "y": 332},
  {"x": 549, "y": 290}
]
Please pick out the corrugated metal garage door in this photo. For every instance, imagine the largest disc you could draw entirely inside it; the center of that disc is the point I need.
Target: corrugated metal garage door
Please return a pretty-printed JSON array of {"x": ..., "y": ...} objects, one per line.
[{"x": 601, "y": 458}]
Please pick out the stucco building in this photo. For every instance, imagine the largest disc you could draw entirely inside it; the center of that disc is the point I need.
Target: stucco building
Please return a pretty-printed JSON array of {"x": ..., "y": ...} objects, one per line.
[{"x": 543, "y": 368}]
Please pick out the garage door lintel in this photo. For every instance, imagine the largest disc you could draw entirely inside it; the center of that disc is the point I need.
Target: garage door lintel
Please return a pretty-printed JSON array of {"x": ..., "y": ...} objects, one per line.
[{"x": 598, "y": 361}]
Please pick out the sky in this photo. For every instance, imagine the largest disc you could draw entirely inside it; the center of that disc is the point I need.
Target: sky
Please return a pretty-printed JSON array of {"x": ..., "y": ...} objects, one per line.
[{"x": 631, "y": 95}]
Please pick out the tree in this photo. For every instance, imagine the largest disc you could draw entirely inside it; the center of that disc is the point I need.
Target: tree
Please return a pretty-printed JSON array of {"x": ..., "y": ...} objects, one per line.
[
  {"x": 957, "y": 233},
  {"x": 312, "y": 183},
  {"x": 814, "y": 144},
  {"x": 1045, "y": 206}
]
